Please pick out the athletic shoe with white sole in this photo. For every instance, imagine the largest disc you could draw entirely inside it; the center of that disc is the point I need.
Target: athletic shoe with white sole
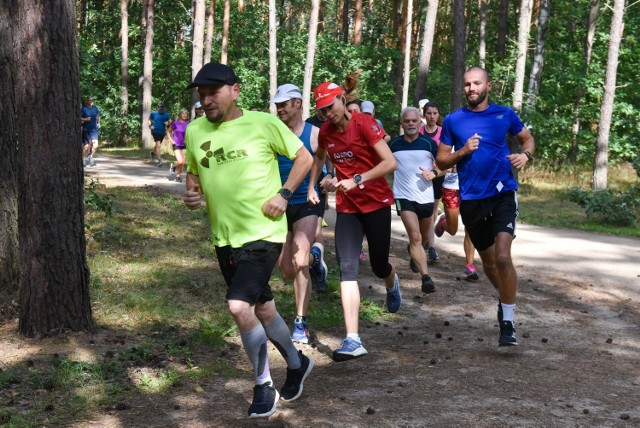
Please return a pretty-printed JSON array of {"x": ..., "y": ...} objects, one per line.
[
  {"x": 265, "y": 399},
  {"x": 349, "y": 349},
  {"x": 292, "y": 388}
]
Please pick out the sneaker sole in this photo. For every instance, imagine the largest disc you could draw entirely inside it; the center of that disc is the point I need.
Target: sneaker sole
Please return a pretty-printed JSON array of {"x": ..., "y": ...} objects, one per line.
[
  {"x": 301, "y": 382},
  {"x": 473, "y": 277},
  {"x": 505, "y": 343},
  {"x": 304, "y": 340},
  {"x": 270, "y": 412},
  {"x": 339, "y": 357},
  {"x": 428, "y": 289}
]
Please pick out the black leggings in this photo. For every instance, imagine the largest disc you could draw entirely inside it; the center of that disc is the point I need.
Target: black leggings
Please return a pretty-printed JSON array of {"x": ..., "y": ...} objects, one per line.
[{"x": 350, "y": 229}]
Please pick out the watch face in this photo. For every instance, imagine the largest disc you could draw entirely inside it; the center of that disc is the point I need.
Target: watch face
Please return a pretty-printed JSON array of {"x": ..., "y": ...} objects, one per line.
[
  {"x": 286, "y": 193},
  {"x": 357, "y": 178}
]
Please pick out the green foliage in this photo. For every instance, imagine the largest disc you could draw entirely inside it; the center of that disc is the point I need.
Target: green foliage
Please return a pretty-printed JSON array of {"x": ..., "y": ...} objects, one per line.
[
  {"x": 612, "y": 206},
  {"x": 96, "y": 200}
]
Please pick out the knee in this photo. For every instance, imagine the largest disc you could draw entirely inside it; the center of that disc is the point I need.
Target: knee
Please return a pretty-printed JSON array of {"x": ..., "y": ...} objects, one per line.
[
  {"x": 301, "y": 260},
  {"x": 503, "y": 261},
  {"x": 382, "y": 271},
  {"x": 240, "y": 311},
  {"x": 415, "y": 237}
]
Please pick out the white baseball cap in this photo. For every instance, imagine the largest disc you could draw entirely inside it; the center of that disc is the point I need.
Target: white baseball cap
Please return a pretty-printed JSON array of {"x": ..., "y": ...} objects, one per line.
[
  {"x": 286, "y": 92},
  {"x": 367, "y": 107},
  {"x": 197, "y": 105},
  {"x": 422, "y": 102}
]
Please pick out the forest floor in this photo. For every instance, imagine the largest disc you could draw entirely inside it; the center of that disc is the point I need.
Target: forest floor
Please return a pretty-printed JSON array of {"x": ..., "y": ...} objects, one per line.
[{"x": 435, "y": 363}]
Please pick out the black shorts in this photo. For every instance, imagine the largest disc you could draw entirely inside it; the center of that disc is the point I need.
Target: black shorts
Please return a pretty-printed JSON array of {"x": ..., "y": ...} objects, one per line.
[
  {"x": 247, "y": 270},
  {"x": 437, "y": 187},
  {"x": 179, "y": 147},
  {"x": 422, "y": 210},
  {"x": 485, "y": 218},
  {"x": 297, "y": 211},
  {"x": 158, "y": 137}
]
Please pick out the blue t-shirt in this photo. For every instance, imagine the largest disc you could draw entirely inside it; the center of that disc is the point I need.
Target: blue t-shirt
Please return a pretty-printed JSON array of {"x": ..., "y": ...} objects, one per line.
[
  {"x": 157, "y": 121},
  {"x": 93, "y": 113},
  {"x": 487, "y": 171},
  {"x": 285, "y": 164}
]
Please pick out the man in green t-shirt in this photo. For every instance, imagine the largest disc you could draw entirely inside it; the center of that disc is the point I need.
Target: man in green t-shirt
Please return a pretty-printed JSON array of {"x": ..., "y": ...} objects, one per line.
[{"x": 231, "y": 159}]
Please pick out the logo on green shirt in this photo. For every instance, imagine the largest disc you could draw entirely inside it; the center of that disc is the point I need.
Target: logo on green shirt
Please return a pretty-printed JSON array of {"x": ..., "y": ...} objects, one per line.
[{"x": 220, "y": 155}]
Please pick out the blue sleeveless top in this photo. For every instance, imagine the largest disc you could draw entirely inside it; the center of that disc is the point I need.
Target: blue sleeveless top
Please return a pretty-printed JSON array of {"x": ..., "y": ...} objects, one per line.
[{"x": 285, "y": 164}]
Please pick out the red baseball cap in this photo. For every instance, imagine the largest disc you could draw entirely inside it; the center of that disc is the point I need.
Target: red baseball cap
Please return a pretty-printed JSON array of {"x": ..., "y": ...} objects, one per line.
[{"x": 326, "y": 93}]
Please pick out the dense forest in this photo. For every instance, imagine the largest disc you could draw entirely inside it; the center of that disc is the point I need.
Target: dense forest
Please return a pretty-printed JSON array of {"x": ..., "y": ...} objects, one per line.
[{"x": 565, "y": 58}]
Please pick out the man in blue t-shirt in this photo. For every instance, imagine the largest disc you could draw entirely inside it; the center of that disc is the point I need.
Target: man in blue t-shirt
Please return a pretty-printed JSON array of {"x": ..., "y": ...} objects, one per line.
[
  {"x": 158, "y": 122},
  {"x": 475, "y": 138},
  {"x": 90, "y": 119}
]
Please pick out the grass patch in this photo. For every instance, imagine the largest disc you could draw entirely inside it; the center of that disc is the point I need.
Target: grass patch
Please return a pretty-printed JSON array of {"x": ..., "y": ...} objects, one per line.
[{"x": 544, "y": 199}]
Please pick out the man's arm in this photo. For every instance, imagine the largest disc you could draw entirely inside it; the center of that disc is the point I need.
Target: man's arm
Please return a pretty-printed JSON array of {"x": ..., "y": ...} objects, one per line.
[
  {"x": 316, "y": 169},
  {"x": 518, "y": 160},
  {"x": 446, "y": 159},
  {"x": 277, "y": 205},
  {"x": 191, "y": 197}
]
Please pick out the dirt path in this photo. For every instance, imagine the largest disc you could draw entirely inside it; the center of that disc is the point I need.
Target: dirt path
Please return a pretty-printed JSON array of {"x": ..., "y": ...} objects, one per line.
[{"x": 437, "y": 362}]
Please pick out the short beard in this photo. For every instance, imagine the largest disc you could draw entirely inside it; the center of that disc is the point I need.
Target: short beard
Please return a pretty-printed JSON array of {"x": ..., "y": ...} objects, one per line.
[{"x": 480, "y": 100}]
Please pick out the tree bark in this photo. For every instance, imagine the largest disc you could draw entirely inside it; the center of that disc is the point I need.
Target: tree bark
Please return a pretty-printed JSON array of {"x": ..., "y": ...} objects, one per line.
[
  {"x": 54, "y": 277},
  {"x": 588, "y": 49},
  {"x": 147, "y": 76},
  {"x": 124, "y": 68},
  {"x": 225, "y": 31},
  {"x": 273, "y": 64},
  {"x": 482, "y": 49},
  {"x": 357, "y": 24},
  {"x": 407, "y": 54},
  {"x": 524, "y": 27},
  {"x": 309, "y": 63},
  {"x": 538, "y": 56},
  {"x": 459, "y": 51},
  {"x": 345, "y": 21},
  {"x": 198, "y": 42},
  {"x": 503, "y": 19},
  {"x": 9, "y": 250},
  {"x": 210, "y": 28},
  {"x": 606, "y": 110},
  {"x": 425, "y": 50}
]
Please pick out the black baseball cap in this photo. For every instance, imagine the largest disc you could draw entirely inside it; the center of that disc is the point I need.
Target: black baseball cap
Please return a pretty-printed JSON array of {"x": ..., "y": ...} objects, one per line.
[{"x": 214, "y": 73}]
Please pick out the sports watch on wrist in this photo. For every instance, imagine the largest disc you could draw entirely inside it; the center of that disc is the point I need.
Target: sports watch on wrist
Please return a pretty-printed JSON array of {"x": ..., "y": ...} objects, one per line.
[
  {"x": 285, "y": 193},
  {"x": 358, "y": 179},
  {"x": 435, "y": 172},
  {"x": 529, "y": 155}
]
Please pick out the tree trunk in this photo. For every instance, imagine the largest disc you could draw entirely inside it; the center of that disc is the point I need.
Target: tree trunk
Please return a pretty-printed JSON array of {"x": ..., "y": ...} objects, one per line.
[
  {"x": 124, "y": 69},
  {"x": 198, "y": 39},
  {"x": 147, "y": 76},
  {"x": 482, "y": 49},
  {"x": 345, "y": 21},
  {"x": 273, "y": 64},
  {"x": 538, "y": 56},
  {"x": 606, "y": 110},
  {"x": 588, "y": 49},
  {"x": 357, "y": 24},
  {"x": 524, "y": 25},
  {"x": 9, "y": 250},
  {"x": 210, "y": 27},
  {"x": 225, "y": 31},
  {"x": 309, "y": 64},
  {"x": 503, "y": 19},
  {"x": 459, "y": 50},
  {"x": 425, "y": 50},
  {"x": 54, "y": 277},
  {"x": 407, "y": 54}
]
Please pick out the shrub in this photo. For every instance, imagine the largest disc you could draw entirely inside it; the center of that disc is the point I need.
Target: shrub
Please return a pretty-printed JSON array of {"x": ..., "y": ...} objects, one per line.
[{"x": 612, "y": 206}]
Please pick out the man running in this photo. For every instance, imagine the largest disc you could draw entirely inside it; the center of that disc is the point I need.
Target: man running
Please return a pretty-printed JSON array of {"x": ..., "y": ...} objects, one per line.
[
  {"x": 90, "y": 118},
  {"x": 302, "y": 217},
  {"x": 231, "y": 158},
  {"x": 158, "y": 122},
  {"x": 489, "y": 205},
  {"x": 413, "y": 189}
]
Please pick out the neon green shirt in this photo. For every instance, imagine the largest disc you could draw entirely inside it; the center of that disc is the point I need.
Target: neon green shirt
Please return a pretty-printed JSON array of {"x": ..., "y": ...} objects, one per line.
[{"x": 238, "y": 169}]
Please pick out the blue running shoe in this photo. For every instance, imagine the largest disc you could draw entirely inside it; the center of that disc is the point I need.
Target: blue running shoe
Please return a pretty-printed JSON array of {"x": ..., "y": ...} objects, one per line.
[
  {"x": 300, "y": 332},
  {"x": 507, "y": 334},
  {"x": 292, "y": 388},
  {"x": 349, "y": 349},
  {"x": 439, "y": 229},
  {"x": 432, "y": 255},
  {"x": 318, "y": 269},
  {"x": 265, "y": 401},
  {"x": 394, "y": 299}
]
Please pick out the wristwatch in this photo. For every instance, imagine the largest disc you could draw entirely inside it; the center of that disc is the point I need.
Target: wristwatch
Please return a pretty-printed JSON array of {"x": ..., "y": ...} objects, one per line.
[
  {"x": 285, "y": 193},
  {"x": 529, "y": 155},
  {"x": 435, "y": 172},
  {"x": 358, "y": 179}
]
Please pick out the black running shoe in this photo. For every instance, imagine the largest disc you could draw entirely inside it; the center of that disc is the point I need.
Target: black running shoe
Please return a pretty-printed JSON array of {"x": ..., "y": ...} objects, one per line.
[
  {"x": 427, "y": 284},
  {"x": 265, "y": 399},
  {"x": 412, "y": 264},
  {"x": 292, "y": 388},
  {"x": 507, "y": 334}
]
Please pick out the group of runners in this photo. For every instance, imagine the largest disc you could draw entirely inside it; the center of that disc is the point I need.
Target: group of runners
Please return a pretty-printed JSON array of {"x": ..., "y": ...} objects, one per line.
[{"x": 265, "y": 181}]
